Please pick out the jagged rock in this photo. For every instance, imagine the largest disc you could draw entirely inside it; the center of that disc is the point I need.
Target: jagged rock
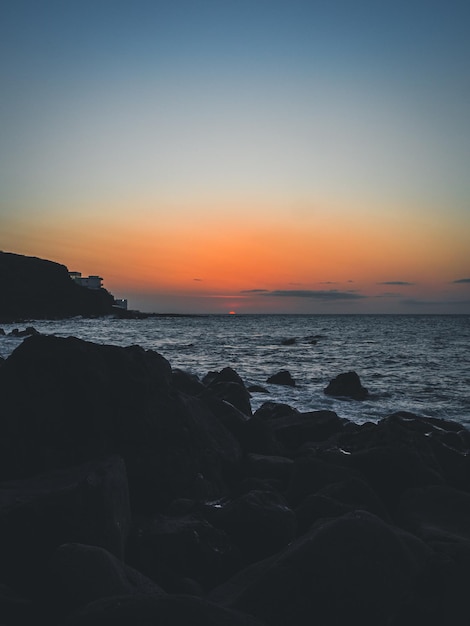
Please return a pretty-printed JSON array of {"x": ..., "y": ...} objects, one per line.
[
  {"x": 87, "y": 504},
  {"x": 174, "y": 610},
  {"x": 173, "y": 550},
  {"x": 347, "y": 385},
  {"x": 30, "y": 330},
  {"x": 354, "y": 569},
  {"x": 282, "y": 378},
  {"x": 226, "y": 375}
]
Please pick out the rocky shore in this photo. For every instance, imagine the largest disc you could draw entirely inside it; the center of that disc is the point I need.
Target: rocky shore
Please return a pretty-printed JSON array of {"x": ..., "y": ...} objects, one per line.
[{"x": 135, "y": 494}]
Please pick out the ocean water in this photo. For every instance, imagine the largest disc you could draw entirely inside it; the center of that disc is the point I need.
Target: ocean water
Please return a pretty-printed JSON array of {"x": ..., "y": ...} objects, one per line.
[{"x": 410, "y": 363}]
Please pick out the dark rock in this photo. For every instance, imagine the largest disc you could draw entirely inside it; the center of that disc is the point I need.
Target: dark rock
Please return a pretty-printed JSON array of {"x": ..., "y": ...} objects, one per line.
[
  {"x": 257, "y": 389},
  {"x": 311, "y": 474},
  {"x": 35, "y": 288},
  {"x": 15, "y": 609},
  {"x": 272, "y": 410},
  {"x": 172, "y": 550},
  {"x": 260, "y": 522},
  {"x": 27, "y": 332},
  {"x": 234, "y": 393},
  {"x": 226, "y": 375},
  {"x": 436, "y": 513},
  {"x": 187, "y": 383},
  {"x": 264, "y": 466},
  {"x": 2, "y": 332},
  {"x": 174, "y": 610},
  {"x": 294, "y": 430},
  {"x": 78, "y": 574},
  {"x": 87, "y": 504},
  {"x": 356, "y": 494},
  {"x": 355, "y": 569},
  {"x": 391, "y": 470},
  {"x": 172, "y": 444},
  {"x": 347, "y": 385},
  {"x": 289, "y": 342},
  {"x": 282, "y": 378}
]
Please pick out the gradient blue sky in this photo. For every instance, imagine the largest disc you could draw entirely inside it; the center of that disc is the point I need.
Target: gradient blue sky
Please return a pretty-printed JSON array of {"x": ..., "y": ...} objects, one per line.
[{"x": 257, "y": 156}]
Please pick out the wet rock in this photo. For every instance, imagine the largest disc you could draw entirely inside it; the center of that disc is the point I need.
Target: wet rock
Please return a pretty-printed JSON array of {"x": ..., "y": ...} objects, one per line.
[
  {"x": 272, "y": 410},
  {"x": 87, "y": 504},
  {"x": 347, "y": 385},
  {"x": 257, "y": 389},
  {"x": 27, "y": 332},
  {"x": 282, "y": 378},
  {"x": 2, "y": 332},
  {"x": 228, "y": 385},
  {"x": 353, "y": 569},
  {"x": 226, "y": 375}
]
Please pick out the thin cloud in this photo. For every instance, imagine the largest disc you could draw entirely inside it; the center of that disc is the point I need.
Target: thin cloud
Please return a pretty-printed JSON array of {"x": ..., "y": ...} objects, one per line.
[
  {"x": 403, "y": 283},
  {"x": 328, "y": 282},
  {"x": 316, "y": 294},
  {"x": 461, "y": 281},
  {"x": 198, "y": 280},
  {"x": 254, "y": 291}
]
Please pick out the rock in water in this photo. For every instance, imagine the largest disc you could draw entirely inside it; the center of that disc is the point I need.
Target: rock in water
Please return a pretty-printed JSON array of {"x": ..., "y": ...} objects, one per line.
[
  {"x": 282, "y": 378},
  {"x": 347, "y": 385}
]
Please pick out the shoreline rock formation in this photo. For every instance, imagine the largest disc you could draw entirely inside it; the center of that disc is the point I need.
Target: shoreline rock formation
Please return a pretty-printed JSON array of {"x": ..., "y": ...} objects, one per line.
[{"x": 132, "y": 493}]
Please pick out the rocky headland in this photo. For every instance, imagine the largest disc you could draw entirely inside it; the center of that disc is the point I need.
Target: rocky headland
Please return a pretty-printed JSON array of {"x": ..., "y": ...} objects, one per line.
[
  {"x": 135, "y": 494},
  {"x": 33, "y": 288}
]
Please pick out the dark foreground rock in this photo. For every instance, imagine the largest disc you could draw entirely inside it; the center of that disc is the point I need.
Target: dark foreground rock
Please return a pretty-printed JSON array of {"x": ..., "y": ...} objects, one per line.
[
  {"x": 35, "y": 288},
  {"x": 132, "y": 494}
]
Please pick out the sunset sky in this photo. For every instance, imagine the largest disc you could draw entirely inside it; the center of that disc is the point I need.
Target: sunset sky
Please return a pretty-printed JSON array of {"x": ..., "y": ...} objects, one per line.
[{"x": 251, "y": 155}]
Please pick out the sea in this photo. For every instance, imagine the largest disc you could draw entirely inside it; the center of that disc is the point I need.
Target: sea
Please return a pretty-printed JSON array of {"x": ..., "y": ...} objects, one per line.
[{"x": 414, "y": 363}]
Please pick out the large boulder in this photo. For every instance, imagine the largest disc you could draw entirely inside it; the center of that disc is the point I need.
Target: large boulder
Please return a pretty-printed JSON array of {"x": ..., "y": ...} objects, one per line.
[
  {"x": 66, "y": 401},
  {"x": 86, "y": 504},
  {"x": 282, "y": 377},
  {"x": 355, "y": 569},
  {"x": 78, "y": 574},
  {"x": 347, "y": 385}
]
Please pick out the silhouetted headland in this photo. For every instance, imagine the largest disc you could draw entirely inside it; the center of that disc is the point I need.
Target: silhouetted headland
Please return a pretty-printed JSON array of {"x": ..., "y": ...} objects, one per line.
[
  {"x": 33, "y": 288},
  {"x": 132, "y": 493}
]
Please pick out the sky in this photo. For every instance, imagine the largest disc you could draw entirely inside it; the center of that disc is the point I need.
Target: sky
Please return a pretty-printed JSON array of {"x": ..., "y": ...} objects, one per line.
[{"x": 256, "y": 156}]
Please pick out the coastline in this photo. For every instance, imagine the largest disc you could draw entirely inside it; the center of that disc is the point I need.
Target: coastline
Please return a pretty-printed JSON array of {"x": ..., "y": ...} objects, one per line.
[{"x": 238, "y": 517}]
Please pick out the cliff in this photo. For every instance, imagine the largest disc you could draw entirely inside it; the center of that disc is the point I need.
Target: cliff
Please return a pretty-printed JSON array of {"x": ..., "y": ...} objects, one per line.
[{"x": 32, "y": 288}]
